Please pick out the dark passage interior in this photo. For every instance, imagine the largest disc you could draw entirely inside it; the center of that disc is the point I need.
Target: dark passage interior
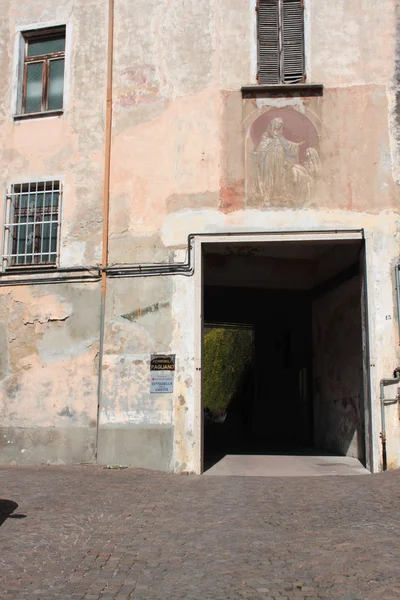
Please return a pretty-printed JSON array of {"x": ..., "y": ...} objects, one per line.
[{"x": 282, "y": 349}]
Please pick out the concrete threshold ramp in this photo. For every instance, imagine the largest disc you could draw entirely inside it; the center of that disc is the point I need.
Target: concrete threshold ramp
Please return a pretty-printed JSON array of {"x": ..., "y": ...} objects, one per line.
[{"x": 286, "y": 466}]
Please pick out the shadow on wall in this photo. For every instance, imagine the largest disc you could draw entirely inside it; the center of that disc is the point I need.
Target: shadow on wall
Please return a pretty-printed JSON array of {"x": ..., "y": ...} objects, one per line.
[{"x": 7, "y": 507}]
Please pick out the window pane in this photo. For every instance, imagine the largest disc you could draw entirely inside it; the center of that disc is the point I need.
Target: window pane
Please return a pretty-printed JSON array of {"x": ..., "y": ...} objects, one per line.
[
  {"x": 47, "y": 199},
  {"x": 46, "y": 45},
  {"x": 21, "y": 238},
  {"x": 38, "y": 199},
  {"x": 45, "y": 241},
  {"x": 56, "y": 84},
  {"x": 22, "y": 201},
  {"x": 55, "y": 199},
  {"x": 33, "y": 93}
]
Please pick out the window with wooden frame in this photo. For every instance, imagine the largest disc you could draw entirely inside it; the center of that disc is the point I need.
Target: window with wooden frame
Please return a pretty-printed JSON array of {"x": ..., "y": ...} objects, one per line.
[
  {"x": 280, "y": 29},
  {"x": 32, "y": 224},
  {"x": 43, "y": 77}
]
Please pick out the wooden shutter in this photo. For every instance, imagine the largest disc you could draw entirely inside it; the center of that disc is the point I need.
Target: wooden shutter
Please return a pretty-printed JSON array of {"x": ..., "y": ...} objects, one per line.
[
  {"x": 268, "y": 41},
  {"x": 292, "y": 60}
]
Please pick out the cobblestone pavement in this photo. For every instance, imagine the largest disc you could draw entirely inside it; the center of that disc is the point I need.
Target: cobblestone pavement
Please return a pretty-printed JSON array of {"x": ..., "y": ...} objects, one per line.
[{"x": 93, "y": 533}]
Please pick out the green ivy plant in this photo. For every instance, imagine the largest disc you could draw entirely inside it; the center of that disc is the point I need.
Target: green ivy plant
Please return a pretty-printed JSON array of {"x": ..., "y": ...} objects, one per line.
[{"x": 228, "y": 353}]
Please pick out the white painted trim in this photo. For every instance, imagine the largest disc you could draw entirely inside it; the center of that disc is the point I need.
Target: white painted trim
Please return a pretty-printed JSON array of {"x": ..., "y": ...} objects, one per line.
[
  {"x": 281, "y": 237},
  {"x": 198, "y": 441},
  {"x": 35, "y": 179},
  {"x": 374, "y": 444},
  {"x": 18, "y": 69},
  {"x": 4, "y": 241},
  {"x": 318, "y": 236},
  {"x": 367, "y": 317},
  {"x": 67, "y": 66}
]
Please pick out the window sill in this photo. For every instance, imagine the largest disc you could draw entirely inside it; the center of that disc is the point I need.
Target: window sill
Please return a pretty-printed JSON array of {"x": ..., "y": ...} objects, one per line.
[
  {"x": 283, "y": 89},
  {"x": 30, "y": 268},
  {"x": 39, "y": 115}
]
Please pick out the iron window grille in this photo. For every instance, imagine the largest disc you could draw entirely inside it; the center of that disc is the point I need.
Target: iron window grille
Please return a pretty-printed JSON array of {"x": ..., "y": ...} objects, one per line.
[
  {"x": 43, "y": 78},
  {"x": 280, "y": 34},
  {"x": 32, "y": 224}
]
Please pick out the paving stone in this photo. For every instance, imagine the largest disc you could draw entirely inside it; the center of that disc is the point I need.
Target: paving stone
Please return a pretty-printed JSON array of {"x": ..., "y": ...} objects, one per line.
[{"x": 83, "y": 532}]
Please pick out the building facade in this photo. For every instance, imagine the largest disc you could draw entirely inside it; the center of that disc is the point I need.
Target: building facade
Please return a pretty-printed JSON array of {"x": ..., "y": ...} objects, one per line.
[{"x": 169, "y": 165}]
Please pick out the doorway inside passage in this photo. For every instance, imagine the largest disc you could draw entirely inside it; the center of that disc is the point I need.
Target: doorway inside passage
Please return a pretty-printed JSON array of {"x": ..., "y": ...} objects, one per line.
[{"x": 282, "y": 332}]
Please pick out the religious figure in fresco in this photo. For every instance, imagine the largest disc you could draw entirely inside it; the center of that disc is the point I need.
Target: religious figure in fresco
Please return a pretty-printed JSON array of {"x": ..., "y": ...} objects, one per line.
[
  {"x": 278, "y": 171},
  {"x": 312, "y": 162}
]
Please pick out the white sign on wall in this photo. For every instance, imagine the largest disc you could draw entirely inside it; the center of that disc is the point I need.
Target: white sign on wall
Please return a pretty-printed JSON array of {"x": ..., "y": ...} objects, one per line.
[{"x": 161, "y": 382}]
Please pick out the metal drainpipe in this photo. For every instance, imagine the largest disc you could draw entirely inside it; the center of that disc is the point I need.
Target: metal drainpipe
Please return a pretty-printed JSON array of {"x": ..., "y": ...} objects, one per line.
[
  {"x": 384, "y": 403},
  {"x": 106, "y": 206}
]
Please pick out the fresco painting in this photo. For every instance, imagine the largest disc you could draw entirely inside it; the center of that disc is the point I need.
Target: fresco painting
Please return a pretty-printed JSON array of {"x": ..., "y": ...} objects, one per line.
[{"x": 284, "y": 165}]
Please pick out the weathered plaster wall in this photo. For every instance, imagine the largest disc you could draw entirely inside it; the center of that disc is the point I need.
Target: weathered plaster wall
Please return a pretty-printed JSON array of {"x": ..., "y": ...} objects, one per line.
[
  {"x": 338, "y": 371},
  {"x": 136, "y": 426},
  {"x": 180, "y": 163},
  {"x": 49, "y": 334},
  {"x": 139, "y": 428},
  {"x": 69, "y": 147},
  {"x": 345, "y": 53},
  {"x": 181, "y": 144},
  {"x": 178, "y": 120},
  {"x": 49, "y": 372}
]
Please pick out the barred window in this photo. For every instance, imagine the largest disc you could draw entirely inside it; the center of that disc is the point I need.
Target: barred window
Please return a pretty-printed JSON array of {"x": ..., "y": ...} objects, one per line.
[
  {"x": 33, "y": 227},
  {"x": 280, "y": 30},
  {"x": 44, "y": 57}
]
